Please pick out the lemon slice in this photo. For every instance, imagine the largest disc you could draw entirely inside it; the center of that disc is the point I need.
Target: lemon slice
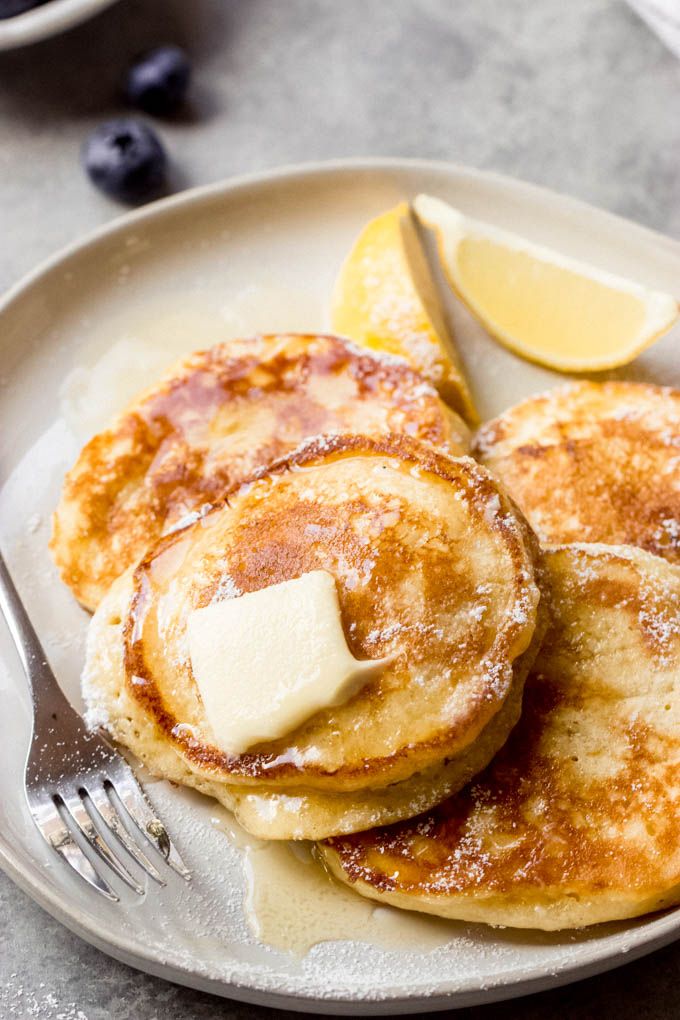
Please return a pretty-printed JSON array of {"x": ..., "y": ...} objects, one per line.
[
  {"x": 384, "y": 299},
  {"x": 555, "y": 310}
]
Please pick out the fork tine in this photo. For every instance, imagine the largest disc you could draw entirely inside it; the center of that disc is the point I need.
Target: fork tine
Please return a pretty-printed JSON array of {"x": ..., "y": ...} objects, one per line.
[
  {"x": 74, "y": 826},
  {"x": 133, "y": 799},
  {"x": 85, "y": 826},
  {"x": 105, "y": 809},
  {"x": 57, "y": 835}
]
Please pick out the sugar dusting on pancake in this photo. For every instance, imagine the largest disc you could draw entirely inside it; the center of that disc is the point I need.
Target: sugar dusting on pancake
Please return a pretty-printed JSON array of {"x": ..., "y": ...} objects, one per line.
[
  {"x": 210, "y": 421},
  {"x": 576, "y": 819},
  {"x": 593, "y": 462},
  {"x": 420, "y": 545}
]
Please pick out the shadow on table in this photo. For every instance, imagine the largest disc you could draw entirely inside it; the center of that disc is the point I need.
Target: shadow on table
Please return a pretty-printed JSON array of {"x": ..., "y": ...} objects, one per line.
[{"x": 80, "y": 72}]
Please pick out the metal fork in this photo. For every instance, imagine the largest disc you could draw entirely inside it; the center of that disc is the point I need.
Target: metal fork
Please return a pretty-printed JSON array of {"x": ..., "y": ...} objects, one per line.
[{"x": 81, "y": 793}]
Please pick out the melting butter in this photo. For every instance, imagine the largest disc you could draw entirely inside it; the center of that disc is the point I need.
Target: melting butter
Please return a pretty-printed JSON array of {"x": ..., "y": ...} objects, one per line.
[
  {"x": 266, "y": 661},
  {"x": 292, "y": 904}
]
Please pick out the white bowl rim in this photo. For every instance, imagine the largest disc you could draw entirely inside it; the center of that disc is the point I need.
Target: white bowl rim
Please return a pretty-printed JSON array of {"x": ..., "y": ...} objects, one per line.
[{"x": 47, "y": 20}]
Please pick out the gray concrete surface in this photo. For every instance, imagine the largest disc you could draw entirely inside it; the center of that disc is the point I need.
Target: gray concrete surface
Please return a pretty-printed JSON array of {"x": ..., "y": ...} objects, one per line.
[{"x": 573, "y": 94}]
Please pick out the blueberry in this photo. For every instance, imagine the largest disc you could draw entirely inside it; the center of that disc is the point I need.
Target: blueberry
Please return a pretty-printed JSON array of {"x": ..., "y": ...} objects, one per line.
[
  {"x": 8, "y": 8},
  {"x": 125, "y": 158},
  {"x": 157, "y": 82}
]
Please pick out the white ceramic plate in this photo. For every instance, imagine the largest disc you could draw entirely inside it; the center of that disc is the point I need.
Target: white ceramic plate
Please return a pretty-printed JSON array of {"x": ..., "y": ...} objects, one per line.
[
  {"x": 47, "y": 20},
  {"x": 99, "y": 321}
]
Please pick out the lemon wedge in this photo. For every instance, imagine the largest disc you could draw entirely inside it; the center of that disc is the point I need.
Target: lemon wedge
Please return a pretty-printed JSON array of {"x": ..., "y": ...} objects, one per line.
[
  {"x": 551, "y": 309},
  {"x": 384, "y": 299}
]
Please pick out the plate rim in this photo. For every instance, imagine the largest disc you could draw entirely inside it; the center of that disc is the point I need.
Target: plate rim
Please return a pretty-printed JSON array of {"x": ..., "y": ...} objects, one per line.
[
  {"x": 658, "y": 933},
  {"x": 315, "y": 168},
  {"x": 46, "y": 21}
]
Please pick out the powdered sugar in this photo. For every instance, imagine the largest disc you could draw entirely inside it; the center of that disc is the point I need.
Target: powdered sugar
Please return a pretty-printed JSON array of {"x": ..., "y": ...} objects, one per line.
[
  {"x": 668, "y": 531},
  {"x": 659, "y": 618},
  {"x": 18, "y": 1001},
  {"x": 383, "y": 634},
  {"x": 226, "y": 589}
]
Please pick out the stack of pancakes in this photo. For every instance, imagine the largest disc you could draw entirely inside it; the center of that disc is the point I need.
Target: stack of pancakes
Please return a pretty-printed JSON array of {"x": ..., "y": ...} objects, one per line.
[
  {"x": 435, "y": 568},
  {"x": 261, "y": 460}
]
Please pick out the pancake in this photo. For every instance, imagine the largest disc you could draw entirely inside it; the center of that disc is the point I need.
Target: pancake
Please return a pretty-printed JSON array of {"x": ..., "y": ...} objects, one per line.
[
  {"x": 298, "y": 813},
  {"x": 576, "y": 820},
  {"x": 305, "y": 814},
  {"x": 434, "y": 566},
  {"x": 209, "y": 422},
  {"x": 593, "y": 462}
]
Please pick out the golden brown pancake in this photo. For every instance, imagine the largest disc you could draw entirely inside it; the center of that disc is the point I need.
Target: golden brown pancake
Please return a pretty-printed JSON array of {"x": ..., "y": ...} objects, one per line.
[
  {"x": 213, "y": 419},
  {"x": 434, "y": 567},
  {"x": 593, "y": 462},
  {"x": 576, "y": 820},
  {"x": 296, "y": 813},
  {"x": 313, "y": 814}
]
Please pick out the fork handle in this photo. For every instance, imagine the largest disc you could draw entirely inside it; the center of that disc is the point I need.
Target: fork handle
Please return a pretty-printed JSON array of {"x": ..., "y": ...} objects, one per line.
[{"x": 41, "y": 680}]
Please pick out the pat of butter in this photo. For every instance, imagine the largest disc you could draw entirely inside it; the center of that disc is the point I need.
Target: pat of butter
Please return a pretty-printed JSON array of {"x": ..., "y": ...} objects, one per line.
[{"x": 268, "y": 660}]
